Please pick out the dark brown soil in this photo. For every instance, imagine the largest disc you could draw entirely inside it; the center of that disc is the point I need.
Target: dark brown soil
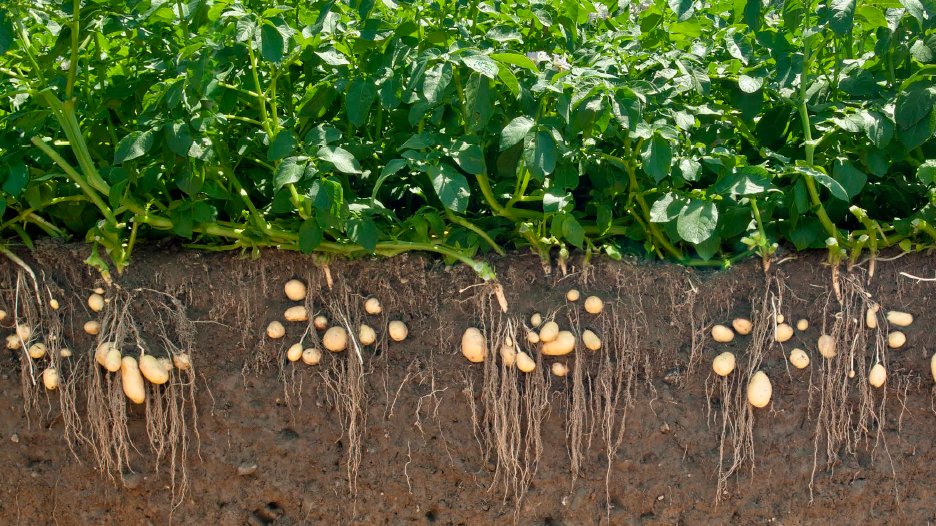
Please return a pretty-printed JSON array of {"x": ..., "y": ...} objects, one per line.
[{"x": 422, "y": 459}]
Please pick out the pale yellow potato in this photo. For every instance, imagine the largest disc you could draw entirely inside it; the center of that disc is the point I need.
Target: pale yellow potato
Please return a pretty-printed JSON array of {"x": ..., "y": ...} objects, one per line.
[
  {"x": 878, "y": 375},
  {"x": 96, "y": 302},
  {"x": 562, "y": 345},
  {"x": 2, "y": 314},
  {"x": 593, "y": 305},
  {"x": 50, "y": 378},
  {"x": 294, "y": 352},
  {"x": 799, "y": 358},
  {"x": 780, "y": 318},
  {"x": 65, "y": 352},
  {"x": 896, "y": 339},
  {"x": 296, "y": 313},
  {"x": 802, "y": 324},
  {"x": 320, "y": 323},
  {"x": 372, "y": 306},
  {"x": 508, "y": 355},
  {"x": 533, "y": 337},
  {"x": 591, "y": 340},
  {"x": 132, "y": 380},
  {"x": 536, "y": 319},
  {"x": 784, "y": 332},
  {"x": 100, "y": 353},
  {"x": 560, "y": 369},
  {"x": 397, "y": 330},
  {"x": 295, "y": 290},
  {"x": 335, "y": 339},
  {"x": 55, "y": 305},
  {"x": 722, "y": 334},
  {"x": 826, "y": 346},
  {"x": 527, "y": 364},
  {"x": 311, "y": 356},
  {"x": 900, "y": 319},
  {"x": 473, "y": 345},
  {"x": 112, "y": 360},
  {"x": 759, "y": 390},
  {"x": 366, "y": 334},
  {"x": 165, "y": 362},
  {"x": 13, "y": 342},
  {"x": 92, "y": 327},
  {"x": 37, "y": 350},
  {"x": 152, "y": 370},
  {"x": 871, "y": 318},
  {"x": 275, "y": 330},
  {"x": 933, "y": 366},
  {"x": 23, "y": 331},
  {"x": 724, "y": 364},
  {"x": 549, "y": 331},
  {"x": 742, "y": 325},
  {"x": 572, "y": 295},
  {"x": 99, "y": 291},
  {"x": 182, "y": 361}
]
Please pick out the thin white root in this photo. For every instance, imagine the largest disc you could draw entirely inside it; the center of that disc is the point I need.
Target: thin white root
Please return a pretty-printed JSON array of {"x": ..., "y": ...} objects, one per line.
[{"x": 911, "y": 276}]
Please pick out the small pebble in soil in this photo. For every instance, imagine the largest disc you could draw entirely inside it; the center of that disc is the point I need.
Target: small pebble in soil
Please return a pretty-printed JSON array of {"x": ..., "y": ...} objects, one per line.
[
  {"x": 15, "y": 438},
  {"x": 660, "y": 497},
  {"x": 247, "y": 468}
]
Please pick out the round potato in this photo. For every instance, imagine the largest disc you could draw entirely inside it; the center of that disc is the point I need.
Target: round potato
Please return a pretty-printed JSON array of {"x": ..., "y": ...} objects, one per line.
[
  {"x": 722, "y": 334},
  {"x": 397, "y": 330},
  {"x": 742, "y": 325},
  {"x": 295, "y": 290},
  {"x": 473, "y": 345},
  {"x": 723, "y": 364},
  {"x": 335, "y": 339}
]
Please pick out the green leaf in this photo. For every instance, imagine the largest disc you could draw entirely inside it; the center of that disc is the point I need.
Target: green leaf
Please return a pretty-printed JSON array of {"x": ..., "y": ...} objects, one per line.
[
  {"x": 272, "y": 43},
  {"x": 747, "y": 180},
  {"x": 920, "y": 10},
  {"x": 919, "y": 133},
  {"x": 361, "y": 95},
  {"x": 750, "y": 84},
  {"x": 341, "y": 158},
  {"x": 183, "y": 219},
  {"x": 806, "y": 233},
  {"x": 851, "y": 178},
  {"x": 134, "y": 144},
  {"x": 515, "y": 131},
  {"x": 245, "y": 29},
  {"x": 178, "y": 138},
  {"x": 503, "y": 33},
  {"x": 283, "y": 145},
  {"x": 362, "y": 231},
  {"x": 667, "y": 208},
  {"x": 820, "y": 177},
  {"x": 879, "y": 129},
  {"x": 739, "y": 48},
  {"x": 17, "y": 179},
  {"x": 556, "y": 200},
  {"x": 697, "y": 221},
  {"x": 468, "y": 157},
  {"x": 450, "y": 186},
  {"x": 544, "y": 155},
  {"x": 509, "y": 79},
  {"x": 322, "y": 135},
  {"x": 926, "y": 173},
  {"x": 6, "y": 31},
  {"x": 573, "y": 231},
  {"x": 656, "y": 157},
  {"x": 682, "y": 8},
  {"x": 841, "y": 16},
  {"x": 289, "y": 170},
  {"x": 913, "y": 106},
  {"x": 391, "y": 168},
  {"x": 436, "y": 80},
  {"x": 516, "y": 60},
  {"x": 689, "y": 169},
  {"x": 603, "y": 219},
  {"x": 482, "y": 64},
  {"x": 311, "y": 236}
]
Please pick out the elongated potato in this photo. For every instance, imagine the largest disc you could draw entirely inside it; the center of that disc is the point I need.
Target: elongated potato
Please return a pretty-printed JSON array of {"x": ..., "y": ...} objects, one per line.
[
  {"x": 722, "y": 334},
  {"x": 560, "y": 369},
  {"x": 933, "y": 366},
  {"x": 182, "y": 361},
  {"x": 799, "y": 358},
  {"x": 508, "y": 355},
  {"x": 549, "y": 331},
  {"x": 826, "y": 346},
  {"x": 37, "y": 350},
  {"x": 50, "y": 378},
  {"x": 335, "y": 339},
  {"x": 296, "y": 313},
  {"x": 372, "y": 306},
  {"x": 311, "y": 356},
  {"x": 723, "y": 364},
  {"x": 295, "y": 290},
  {"x": 473, "y": 345},
  {"x": 99, "y": 291},
  {"x": 54, "y": 304},
  {"x": 132, "y": 380},
  {"x": 92, "y": 327},
  {"x": 275, "y": 330},
  {"x": 900, "y": 319},
  {"x": 112, "y": 360},
  {"x": 784, "y": 332},
  {"x": 397, "y": 330},
  {"x": 536, "y": 319},
  {"x": 896, "y": 339},
  {"x": 562, "y": 345},
  {"x": 96, "y": 302},
  {"x": 871, "y": 318},
  {"x": 593, "y": 305},
  {"x": 152, "y": 370},
  {"x": 591, "y": 341},
  {"x": 527, "y": 364},
  {"x": 759, "y": 390},
  {"x": 742, "y": 325},
  {"x": 366, "y": 334},
  {"x": 878, "y": 375},
  {"x": 294, "y": 352}
]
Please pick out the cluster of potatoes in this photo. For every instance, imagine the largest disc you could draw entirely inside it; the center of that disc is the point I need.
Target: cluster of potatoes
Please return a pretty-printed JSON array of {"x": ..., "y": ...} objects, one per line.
[
  {"x": 37, "y": 350},
  {"x": 760, "y": 388},
  {"x": 552, "y": 340},
  {"x": 335, "y": 338},
  {"x": 132, "y": 371}
]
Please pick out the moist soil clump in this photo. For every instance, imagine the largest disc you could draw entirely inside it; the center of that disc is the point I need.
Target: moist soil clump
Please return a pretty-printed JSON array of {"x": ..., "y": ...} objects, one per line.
[{"x": 638, "y": 432}]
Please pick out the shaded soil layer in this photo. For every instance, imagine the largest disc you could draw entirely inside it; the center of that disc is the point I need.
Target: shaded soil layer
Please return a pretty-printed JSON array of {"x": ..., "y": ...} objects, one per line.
[{"x": 423, "y": 459}]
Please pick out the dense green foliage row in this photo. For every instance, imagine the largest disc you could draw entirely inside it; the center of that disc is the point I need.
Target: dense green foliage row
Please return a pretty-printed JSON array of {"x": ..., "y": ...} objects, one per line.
[{"x": 698, "y": 131}]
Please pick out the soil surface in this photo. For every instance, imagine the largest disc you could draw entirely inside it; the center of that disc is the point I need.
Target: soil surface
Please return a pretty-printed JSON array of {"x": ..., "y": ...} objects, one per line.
[{"x": 442, "y": 441}]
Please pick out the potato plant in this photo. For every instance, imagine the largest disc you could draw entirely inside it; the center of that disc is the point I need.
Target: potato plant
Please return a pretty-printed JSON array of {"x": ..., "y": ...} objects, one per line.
[{"x": 697, "y": 131}]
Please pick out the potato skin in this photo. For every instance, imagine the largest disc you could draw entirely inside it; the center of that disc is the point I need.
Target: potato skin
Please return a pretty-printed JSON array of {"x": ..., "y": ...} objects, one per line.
[
  {"x": 591, "y": 340},
  {"x": 311, "y": 356},
  {"x": 335, "y": 339},
  {"x": 896, "y": 339},
  {"x": 900, "y": 319},
  {"x": 759, "y": 390},
  {"x": 294, "y": 352},
  {"x": 722, "y": 334},
  {"x": 742, "y": 325},
  {"x": 153, "y": 370},
  {"x": 525, "y": 363},
  {"x": 549, "y": 332},
  {"x": 878, "y": 375},
  {"x": 560, "y": 369},
  {"x": 473, "y": 345},
  {"x": 296, "y": 313},
  {"x": 132, "y": 380},
  {"x": 397, "y": 330},
  {"x": 784, "y": 332},
  {"x": 724, "y": 364},
  {"x": 562, "y": 345},
  {"x": 295, "y": 290},
  {"x": 799, "y": 358},
  {"x": 594, "y": 305},
  {"x": 50, "y": 378},
  {"x": 826, "y": 346}
]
